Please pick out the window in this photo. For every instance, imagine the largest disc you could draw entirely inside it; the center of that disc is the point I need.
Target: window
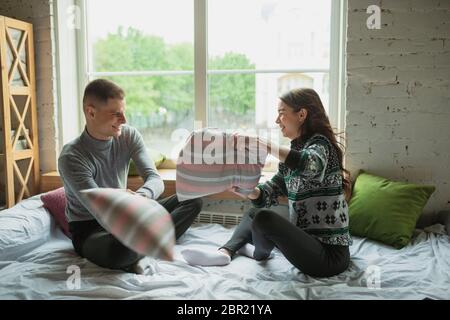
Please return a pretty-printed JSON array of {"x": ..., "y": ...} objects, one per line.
[
  {"x": 147, "y": 49},
  {"x": 260, "y": 51},
  {"x": 221, "y": 62}
]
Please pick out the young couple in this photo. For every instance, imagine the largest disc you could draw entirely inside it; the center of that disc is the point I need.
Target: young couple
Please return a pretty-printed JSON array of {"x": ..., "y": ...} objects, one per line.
[{"x": 315, "y": 239}]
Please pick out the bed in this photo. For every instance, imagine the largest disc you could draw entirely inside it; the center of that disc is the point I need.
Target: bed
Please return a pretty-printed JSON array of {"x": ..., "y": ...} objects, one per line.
[{"x": 37, "y": 262}]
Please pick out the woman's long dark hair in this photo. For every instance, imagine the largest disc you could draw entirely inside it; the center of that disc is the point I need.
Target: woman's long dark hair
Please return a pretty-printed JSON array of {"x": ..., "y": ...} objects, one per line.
[{"x": 316, "y": 122}]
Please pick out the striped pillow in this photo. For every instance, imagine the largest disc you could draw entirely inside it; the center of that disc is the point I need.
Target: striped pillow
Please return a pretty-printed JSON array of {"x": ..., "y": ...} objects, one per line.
[
  {"x": 141, "y": 224},
  {"x": 213, "y": 161}
]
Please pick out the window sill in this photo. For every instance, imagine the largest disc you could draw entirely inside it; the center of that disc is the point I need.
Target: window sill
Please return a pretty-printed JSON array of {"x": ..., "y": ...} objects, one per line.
[{"x": 51, "y": 181}]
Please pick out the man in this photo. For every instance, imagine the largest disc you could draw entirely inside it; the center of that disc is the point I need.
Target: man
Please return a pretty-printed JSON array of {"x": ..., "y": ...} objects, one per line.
[{"x": 100, "y": 158}]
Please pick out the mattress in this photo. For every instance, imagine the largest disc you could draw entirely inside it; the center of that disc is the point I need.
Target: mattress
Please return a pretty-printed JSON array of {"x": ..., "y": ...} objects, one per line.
[{"x": 37, "y": 261}]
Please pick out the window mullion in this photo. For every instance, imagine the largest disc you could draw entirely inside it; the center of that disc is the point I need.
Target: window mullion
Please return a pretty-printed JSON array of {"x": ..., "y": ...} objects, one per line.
[
  {"x": 337, "y": 75},
  {"x": 201, "y": 63},
  {"x": 82, "y": 57}
]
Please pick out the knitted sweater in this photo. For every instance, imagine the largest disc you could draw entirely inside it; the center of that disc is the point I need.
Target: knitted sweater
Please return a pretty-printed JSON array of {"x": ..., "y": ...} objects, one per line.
[
  {"x": 311, "y": 178},
  {"x": 87, "y": 163}
]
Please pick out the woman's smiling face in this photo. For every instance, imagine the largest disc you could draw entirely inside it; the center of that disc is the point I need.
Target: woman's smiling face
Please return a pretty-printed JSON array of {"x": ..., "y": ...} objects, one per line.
[{"x": 288, "y": 120}]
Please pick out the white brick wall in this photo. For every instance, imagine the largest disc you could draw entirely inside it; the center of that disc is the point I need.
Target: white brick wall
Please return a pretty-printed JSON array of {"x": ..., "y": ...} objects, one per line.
[
  {"x": 398, "y": 93},
  {"x": 38, "y": 13}
]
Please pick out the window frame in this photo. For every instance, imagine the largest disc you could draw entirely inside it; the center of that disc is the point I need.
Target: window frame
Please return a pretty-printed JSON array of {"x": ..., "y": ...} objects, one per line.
[{"x": 335, "y": 71}]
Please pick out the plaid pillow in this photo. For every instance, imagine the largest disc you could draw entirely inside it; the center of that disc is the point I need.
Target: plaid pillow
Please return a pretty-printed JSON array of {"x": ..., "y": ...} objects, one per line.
[
  {"x": 213, "y": 161},
  {"x": 141, "y": 224}
]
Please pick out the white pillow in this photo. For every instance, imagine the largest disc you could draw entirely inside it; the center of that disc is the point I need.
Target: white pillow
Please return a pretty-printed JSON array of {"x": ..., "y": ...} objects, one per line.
[{"x": 23, "y": 228}]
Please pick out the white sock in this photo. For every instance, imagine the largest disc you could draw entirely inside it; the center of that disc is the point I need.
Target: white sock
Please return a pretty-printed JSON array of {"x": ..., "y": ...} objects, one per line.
[
  {"x": 142, "y": 266},
  {"x": 248, "y": 251},
  {"x": 205, "y": 257}
]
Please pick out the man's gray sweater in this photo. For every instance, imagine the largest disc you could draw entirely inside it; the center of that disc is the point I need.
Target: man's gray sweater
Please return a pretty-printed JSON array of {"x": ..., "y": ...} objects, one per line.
[{"x": 86, "y": 163}]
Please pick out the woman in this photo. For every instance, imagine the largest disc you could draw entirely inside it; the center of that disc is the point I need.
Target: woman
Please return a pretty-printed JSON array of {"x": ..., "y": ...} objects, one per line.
[{"x": 316, "y": 240}]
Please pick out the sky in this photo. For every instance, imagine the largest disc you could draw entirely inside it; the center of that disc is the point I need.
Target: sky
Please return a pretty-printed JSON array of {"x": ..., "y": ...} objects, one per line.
[{"x": 233, "y": 24}]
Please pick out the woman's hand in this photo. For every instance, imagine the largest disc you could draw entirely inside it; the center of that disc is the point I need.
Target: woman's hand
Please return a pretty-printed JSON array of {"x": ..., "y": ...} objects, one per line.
[
  {"x": 254, "y": 194},
  {"x": 251, "y": 196}
]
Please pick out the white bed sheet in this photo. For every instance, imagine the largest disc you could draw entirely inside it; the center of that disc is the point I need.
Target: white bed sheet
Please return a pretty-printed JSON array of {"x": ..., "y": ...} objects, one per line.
[{"x": 420, "y": 270}]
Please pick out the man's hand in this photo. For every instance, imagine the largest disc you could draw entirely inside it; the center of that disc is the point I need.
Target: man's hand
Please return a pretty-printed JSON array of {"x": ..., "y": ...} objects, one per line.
[{"x": 136, "y": 194}]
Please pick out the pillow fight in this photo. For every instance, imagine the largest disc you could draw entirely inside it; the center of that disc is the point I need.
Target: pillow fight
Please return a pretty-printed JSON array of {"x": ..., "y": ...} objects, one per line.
[{"x": 117, "y": 228}]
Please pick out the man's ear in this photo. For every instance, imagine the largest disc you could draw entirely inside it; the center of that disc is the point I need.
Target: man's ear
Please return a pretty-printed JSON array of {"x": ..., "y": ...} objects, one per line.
[{"x": 90, "y": 111}]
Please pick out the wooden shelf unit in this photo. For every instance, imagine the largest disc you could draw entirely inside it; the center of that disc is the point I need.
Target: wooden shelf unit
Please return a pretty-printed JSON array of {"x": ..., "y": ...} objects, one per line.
[{"x": 19, "y": 149}]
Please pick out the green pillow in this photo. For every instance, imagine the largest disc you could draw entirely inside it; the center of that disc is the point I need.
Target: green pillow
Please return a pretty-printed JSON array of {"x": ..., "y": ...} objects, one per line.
[
  {"x": 385, "y": 210},
  {"x": 156, "y": 156}
]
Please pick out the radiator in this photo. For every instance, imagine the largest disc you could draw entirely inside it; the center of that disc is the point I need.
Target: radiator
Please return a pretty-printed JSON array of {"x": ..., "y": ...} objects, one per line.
[{"x": 224, "y": 218}]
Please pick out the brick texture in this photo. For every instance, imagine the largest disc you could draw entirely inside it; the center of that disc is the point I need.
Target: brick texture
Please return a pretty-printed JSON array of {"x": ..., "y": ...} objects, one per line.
[
  {"x": 39, "y": 13},
  {"x": 398, "y": 93}
]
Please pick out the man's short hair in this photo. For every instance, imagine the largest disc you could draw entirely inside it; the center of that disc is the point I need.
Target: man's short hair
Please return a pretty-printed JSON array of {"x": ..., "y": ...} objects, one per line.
[{"x": 102, "y": 90}]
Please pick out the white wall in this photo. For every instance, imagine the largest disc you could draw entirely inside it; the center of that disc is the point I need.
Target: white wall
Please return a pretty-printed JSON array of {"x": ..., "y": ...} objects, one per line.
[
  {"x": 39, "y": 13},
  {"x": 398, "y": 93}
]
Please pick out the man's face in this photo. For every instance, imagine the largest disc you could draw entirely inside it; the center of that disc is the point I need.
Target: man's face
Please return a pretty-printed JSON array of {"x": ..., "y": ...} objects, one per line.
[{"x": 106, "y": 120}]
